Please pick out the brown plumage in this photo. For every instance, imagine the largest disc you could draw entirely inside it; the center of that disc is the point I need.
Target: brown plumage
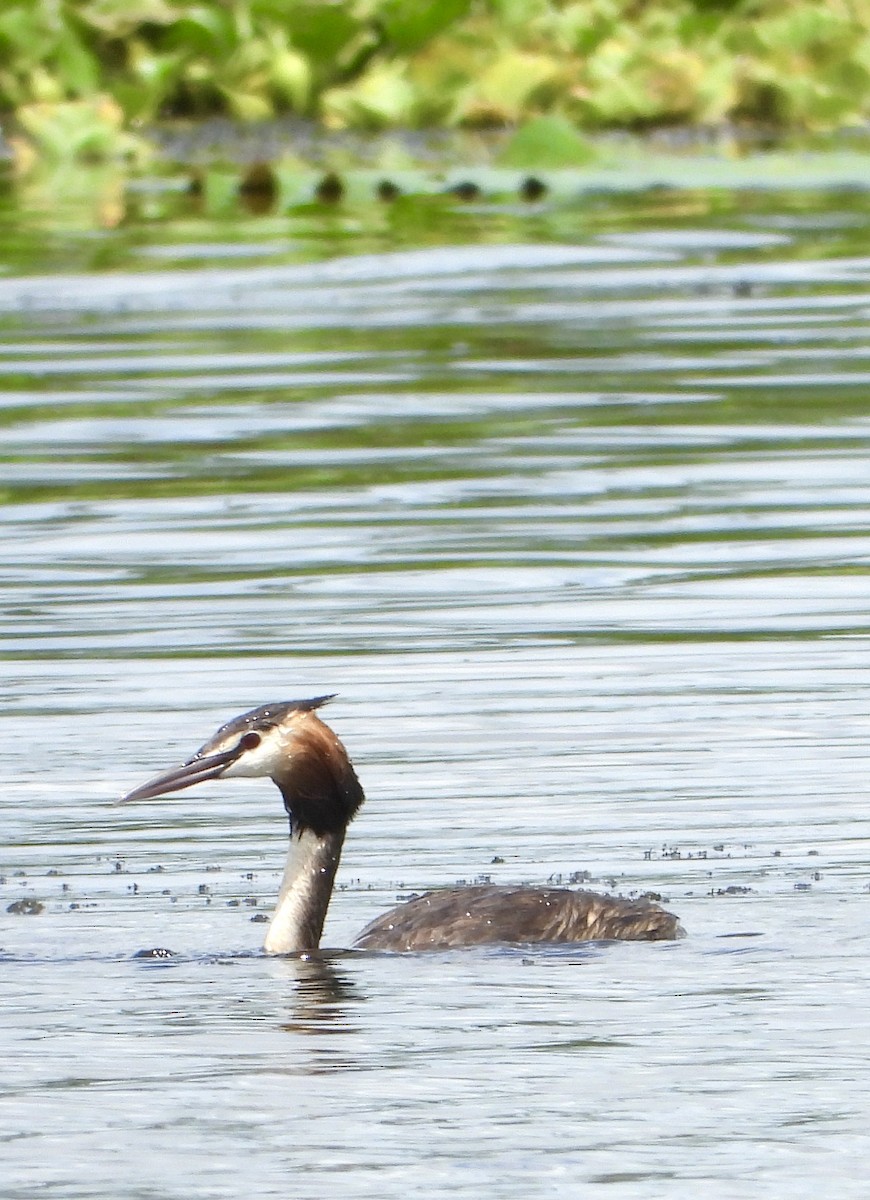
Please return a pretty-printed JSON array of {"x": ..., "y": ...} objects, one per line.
[
  {"x": 476, "y": 915},
  {"x": 289, "y": 743}
]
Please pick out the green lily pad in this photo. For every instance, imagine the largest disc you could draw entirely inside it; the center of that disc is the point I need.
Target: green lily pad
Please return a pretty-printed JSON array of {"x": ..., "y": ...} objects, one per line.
[{"x": 550, "y": 141}]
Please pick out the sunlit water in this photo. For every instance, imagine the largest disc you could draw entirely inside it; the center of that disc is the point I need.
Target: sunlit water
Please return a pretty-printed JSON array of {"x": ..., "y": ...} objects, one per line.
[{"x": 571, "y": 509}]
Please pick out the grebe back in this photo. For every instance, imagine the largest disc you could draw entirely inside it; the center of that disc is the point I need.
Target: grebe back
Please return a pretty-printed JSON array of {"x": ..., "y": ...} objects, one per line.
[{"x": 289, "y": 743}]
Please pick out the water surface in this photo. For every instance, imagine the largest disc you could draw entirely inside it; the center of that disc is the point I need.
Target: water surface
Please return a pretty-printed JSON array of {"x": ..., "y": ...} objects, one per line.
[{"x": 569, "y": 504}]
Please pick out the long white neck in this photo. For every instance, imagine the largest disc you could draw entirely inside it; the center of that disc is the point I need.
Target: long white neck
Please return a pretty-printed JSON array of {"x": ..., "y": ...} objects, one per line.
[{"x": 306, "y": 888}]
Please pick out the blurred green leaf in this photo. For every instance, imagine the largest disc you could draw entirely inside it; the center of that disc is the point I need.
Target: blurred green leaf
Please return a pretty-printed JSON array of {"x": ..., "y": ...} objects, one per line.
[
  {"x": 26, "y": 35},
  {"x": 805, "y": 28},
  {"x": 120, "y": 18},
  {"x": 290, "y": 76},
  {"x": 247, "y": 106},
  {"x": 203, "y": 30},
  {"x": 546, "y": 142},
  {"x": 410, "y": 24},
  {"x": 507, "y": 85},
  {"x": 150, "y": 79},
  {"x": 518, "y": 14},
  {"x": 321, "y": 29},
  {"x": 79, "y": 130},
  {"x": 78, "y": 67},
  {"x": 382, "y": 97}
]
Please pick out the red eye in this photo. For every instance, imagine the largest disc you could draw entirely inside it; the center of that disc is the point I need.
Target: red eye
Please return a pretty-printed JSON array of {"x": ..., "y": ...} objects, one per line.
[{"x": 250, "y": 741}]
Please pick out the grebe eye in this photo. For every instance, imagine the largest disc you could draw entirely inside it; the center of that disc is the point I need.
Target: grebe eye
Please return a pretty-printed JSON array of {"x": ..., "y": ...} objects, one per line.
[{"x": 250, "y": 741}]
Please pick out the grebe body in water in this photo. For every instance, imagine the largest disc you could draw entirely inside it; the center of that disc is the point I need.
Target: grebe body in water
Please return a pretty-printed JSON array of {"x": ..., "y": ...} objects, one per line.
[{"x": 289, "y": 743}]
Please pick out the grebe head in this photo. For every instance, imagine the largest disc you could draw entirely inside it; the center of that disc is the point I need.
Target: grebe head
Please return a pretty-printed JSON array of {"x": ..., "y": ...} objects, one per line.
[{"x": 287, "y": 742}]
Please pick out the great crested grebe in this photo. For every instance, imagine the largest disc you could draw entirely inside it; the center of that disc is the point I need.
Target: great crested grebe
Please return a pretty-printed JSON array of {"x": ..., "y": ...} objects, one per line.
[{"x": 289, "y": 743}]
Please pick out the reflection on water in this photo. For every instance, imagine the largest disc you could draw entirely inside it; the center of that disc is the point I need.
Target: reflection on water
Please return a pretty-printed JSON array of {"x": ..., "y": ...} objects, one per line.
[
  {"x": 323, "y": 996},
  {"x": 568, "y": 503}
]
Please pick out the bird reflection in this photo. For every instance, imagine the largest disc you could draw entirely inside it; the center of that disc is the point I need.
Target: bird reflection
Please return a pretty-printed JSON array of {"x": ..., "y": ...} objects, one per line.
[{"x": 322, "y": 995}]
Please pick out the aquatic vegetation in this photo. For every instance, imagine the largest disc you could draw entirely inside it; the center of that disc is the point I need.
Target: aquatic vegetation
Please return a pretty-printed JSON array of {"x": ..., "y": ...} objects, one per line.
[
  {"x": 381, "y": 64},
  {"x": 83, "y": 131}
]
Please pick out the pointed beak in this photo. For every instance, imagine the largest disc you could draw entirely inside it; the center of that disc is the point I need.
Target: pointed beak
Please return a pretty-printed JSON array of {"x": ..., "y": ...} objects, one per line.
[{"x": 197, "y": 770}]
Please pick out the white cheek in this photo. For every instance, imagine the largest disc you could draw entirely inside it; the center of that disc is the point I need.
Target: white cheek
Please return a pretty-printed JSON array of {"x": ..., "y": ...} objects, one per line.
[{"x": 265, "y": 759}]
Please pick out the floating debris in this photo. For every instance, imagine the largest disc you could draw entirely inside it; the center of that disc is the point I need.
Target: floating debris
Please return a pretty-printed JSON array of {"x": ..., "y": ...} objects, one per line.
[
  {"x": 330, "y": 189},
  {"x": 259, "y": 188},
  {"x": 532, "y": 189},
  {"x": 26, "y": 908},
  {"x": 465, "y": 189},
  {"x": 388, "y": 191}
]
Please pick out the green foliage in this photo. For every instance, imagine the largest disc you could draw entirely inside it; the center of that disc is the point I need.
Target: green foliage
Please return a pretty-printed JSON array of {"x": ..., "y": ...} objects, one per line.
[
  {"x": 382, "y": 97},
  {"x": 408, "y": 25},
  {"x": 805, "y": 64},
  {"x": 394, "y": 63},
  {"x": 79, "y": 131},
  {"x": 546, "y": 143}
]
